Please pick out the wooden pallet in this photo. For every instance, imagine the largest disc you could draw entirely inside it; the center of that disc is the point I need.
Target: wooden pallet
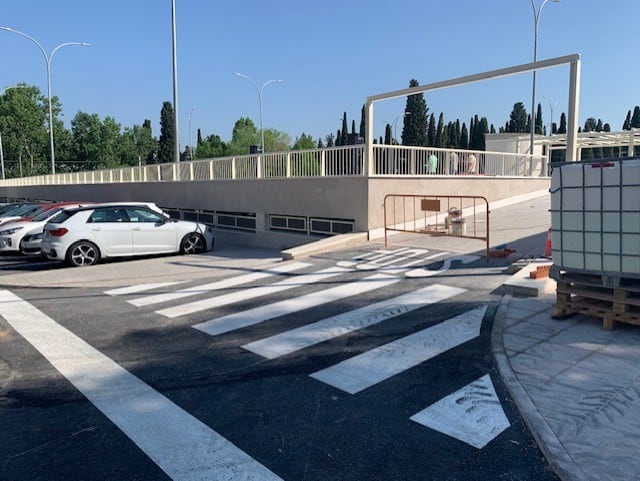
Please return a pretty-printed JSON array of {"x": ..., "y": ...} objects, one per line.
[{"x": 588, "y": 295}]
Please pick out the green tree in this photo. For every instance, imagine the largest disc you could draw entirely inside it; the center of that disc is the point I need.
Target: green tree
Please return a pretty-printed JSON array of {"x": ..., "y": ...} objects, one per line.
[
  {"x": 441, "y": 140},
  {"x": 635, "y": 119},
  {"x": 210, "y": 147},
  {"x": 414, "y": 130},
  {"x": 431, "y": 131},
  {"x": 464, "y": 137},
  {"x": 244, "y": 135},
  {"x": 627, "y": 121},
  {"x": 363, "y": 123},
  {"x": 590, "y": 125},
  {"x": 276, "y": 140},
  {"x": 539, "y": 129},
  {"x": 167, "y": 141},
  {"x": 25, "y": 140},
  {"x": 304, "y": 142},
  {"x": 330, "y": 140},
  {"x": 518, "y": 118},
  {"x": 344, "y": 132},
  {"x": 562, "y": 128},
  {"x": 388, "y": 135}
]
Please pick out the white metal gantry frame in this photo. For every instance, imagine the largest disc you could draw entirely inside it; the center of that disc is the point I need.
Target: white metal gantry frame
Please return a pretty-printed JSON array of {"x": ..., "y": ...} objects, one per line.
[{"x": 574, "y": 95}]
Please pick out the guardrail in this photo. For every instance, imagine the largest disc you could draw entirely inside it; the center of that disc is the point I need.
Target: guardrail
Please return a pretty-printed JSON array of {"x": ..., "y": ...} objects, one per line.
[
  {"x": 438, "y": 215},
  {"x": 329, "y": 162}
]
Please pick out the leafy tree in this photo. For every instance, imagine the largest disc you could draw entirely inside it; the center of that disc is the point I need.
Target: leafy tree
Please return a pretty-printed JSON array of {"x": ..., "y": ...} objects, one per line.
[
  {"x": 304, "y": 142},
  {"x": 276, "y": 140},
  {"x": 414, "y": 130},
  {"x": 210, "y": 147},
  {"x": 23, "y": 128},
  {"x": 244, "y": 135},
  {"x": 167, "y": 141},
  {"x": 590, "y": 125},
  {"x": 330, "y": 140},
  {"x": 518, "y": 118}
]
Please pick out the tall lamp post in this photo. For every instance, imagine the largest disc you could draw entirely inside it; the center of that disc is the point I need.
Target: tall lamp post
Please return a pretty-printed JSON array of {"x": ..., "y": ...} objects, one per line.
[
  {"x": 536, "y": 20},
  {"x": 190, "y": 137},
  {"x": 551, "y": 106},
  {"x": 260, "y": 90},
  {"x": 48, "y": 59},
  {"x": 1, "y": 152}
]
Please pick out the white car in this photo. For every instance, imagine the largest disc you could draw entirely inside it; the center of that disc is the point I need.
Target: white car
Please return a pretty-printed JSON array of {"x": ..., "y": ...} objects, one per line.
[
  {"x": 85, "y": 235},
  {"x": 12, "y": 232}
]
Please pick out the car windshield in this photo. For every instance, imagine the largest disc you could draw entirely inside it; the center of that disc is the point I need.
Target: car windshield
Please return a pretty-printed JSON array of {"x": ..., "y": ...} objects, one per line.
[
  {"x": 46, "y": 214},
  {"x": 20, "y": 210}
]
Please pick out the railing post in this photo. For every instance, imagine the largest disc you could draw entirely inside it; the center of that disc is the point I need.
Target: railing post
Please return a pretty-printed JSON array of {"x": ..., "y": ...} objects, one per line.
[
  {"x": 259, "y": 166},
  {"x": 323, "y": 164},
  {"x": 211, "y": 170},
  {"x": 191, "y": 177},
  {"x": 288, "y": 165},
  {"x": 233, "y": 168}
]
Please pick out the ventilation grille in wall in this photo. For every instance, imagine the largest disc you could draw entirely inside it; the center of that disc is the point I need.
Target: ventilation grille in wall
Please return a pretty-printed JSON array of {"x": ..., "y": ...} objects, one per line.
[
  {"x": 288, "y": 223},
  {"x": 330, "y": 226},
  {"x": 236, "y": 221}
]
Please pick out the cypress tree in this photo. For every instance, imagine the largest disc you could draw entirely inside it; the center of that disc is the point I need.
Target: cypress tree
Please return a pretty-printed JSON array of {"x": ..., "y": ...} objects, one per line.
[
  {"x": 635, "y": 120},
  {"x": 627, "y": 122},
  {"x": 518, "y": 119},
  {"x": 363, "y": 123},
  {"x": 431, "y": 131},
  {"x": 464, "y": 137},
  {"x": 166, "y": 143},
  {"x": 539, "y": 120},
  {"x": 562, "y": 129},
  {"x": 440, "y": 133},
  {"x": 388, "y": 136},
  {"x": 414, "y": 130},
  {"x": 345, "y": 130}
]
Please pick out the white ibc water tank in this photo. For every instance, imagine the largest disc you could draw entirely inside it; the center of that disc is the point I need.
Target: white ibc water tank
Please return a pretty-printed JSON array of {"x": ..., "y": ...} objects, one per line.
[{"x": 595, "y": 217}]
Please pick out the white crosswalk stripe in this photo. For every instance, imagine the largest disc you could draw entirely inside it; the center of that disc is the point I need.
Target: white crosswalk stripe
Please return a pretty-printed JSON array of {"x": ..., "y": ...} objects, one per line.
[
  {"x": 361, "y": 372},
  {"x": 185, "y": 448},
  {"x": 123, "y": 291},
  {"x": 326, "y": 329},
  {"x": 252, "y": 293},
  {"x": 259, "y": 314},
  {"x": 218, "y": 285}
]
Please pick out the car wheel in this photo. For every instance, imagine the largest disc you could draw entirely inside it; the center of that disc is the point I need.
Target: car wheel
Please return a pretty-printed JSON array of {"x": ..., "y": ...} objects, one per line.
[
  {"x": 193, "y": 243},
  {"x": 83, "y": 253}
]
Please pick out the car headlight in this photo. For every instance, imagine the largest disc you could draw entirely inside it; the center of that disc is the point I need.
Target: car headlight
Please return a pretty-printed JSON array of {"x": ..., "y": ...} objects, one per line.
[{"x": 10, "y": 231}]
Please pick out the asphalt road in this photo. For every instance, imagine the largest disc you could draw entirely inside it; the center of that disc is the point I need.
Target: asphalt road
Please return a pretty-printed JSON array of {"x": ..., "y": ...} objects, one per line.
[{"x": 357, "y": 365}]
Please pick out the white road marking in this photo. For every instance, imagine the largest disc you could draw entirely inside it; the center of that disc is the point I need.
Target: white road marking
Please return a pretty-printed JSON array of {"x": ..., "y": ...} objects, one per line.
[
  {"x": 290, "y": 283},
  {"x": 122, "y": 291},
  {"x": 331, "y": 327},
  {"x": 218, "y": 285},
  {"x": 182, "y": 446},
  {"x": 421, "y": 272},
  {"x": 369, "y": 368},
  {"x": 259, "y": 314},
  {"x": 472, "y": 414}
]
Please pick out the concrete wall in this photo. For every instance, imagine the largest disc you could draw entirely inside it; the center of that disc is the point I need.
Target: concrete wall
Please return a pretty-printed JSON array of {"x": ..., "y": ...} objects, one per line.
[{"x": 354, "y": 198}]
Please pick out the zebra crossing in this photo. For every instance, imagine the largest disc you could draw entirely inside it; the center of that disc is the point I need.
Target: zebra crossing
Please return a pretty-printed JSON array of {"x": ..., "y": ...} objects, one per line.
[{"x": 360, "y": 372}]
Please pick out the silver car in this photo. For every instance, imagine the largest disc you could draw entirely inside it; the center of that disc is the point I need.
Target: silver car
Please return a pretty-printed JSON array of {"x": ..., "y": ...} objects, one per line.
[{"x": 85, "y": 235}]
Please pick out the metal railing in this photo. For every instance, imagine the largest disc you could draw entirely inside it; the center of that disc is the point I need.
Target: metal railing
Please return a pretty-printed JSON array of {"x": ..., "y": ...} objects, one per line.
[
  {"x": 462, "y": 216},
  {"x": 335, "y": 161}
]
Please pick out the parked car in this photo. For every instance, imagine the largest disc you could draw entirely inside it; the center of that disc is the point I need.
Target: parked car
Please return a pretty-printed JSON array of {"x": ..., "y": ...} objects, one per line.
[
  {"x": 19, "y": 211},
  {"x": 12, "y": 233},
  {"x": 83, "y": 236}
]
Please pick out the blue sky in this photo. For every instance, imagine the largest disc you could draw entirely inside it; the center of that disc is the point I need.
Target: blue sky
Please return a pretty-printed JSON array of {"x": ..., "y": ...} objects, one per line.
[{"x": 331, "y": 55}]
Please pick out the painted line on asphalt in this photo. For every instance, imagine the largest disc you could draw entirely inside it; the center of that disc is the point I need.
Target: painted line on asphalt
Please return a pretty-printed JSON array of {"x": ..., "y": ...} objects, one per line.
[
  {"x": 372, "y": 367},
  {"x": 123, "y": 291},
  {"x": 284, "y": 285},
  {"x": 348, "y": 322},
  {"x": 260, "y": 314},
  {"x": 181, "y": 445},
  {"x": 472, "y": 414},
  {"x": 218, "y": 285}
]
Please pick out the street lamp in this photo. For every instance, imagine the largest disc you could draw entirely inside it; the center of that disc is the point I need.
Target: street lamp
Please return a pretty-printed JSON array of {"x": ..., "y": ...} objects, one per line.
[
  {"x": 536, "y": 19},
  {"x": 1, "y": 152},
  {"x": 48, "y": 59},
  {"x": 259, "y": 90},
  {"x": 551, "y": 105},
  {"x": 395, "y": 125},
  {"x": 190, "y": 137}
]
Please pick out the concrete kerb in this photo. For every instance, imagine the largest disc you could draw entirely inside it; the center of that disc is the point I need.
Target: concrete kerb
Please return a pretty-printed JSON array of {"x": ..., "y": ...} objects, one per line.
[
  {"x": 551, "y": 447},
  {"x": 341, "y": 241}
]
